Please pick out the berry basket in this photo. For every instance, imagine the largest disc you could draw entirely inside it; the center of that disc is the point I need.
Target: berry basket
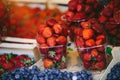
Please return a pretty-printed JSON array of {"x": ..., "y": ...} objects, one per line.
[
  {"x": 93, "y": 58},
  {"x": 54, "y": 57}
]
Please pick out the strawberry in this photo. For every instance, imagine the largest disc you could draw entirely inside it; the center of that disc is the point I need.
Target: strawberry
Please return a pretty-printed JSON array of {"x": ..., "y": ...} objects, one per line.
[
  {"x": 20, "y": 57},
  {"x": 3, "y": 58},
  {"x": 62, "y": 40},
  {"x": 90, "y": 42},
  {"x": 100, "y": 42},
  {"x": 79, "y": 16},
  {"x": 72, "y": 5},
  {"x": 85, "y": 24},
  {"x": 79, "y": 7},
  {"x": 87, "y": 33},
  {"x": 86, "y": 64},
  {"x": 98, "y": 28},
  {"x": 80, "y": 1},
  {"x": 44, "y": 48},
  {"x": 78, "y": 31},
  {"x": 47, "y": 63},
  {"x": 91, "y": 1},
  {"x": 101, "y": 57},
  {"x": 58, "y": 57},
  {"x": 40, "y": 28},
  {"x": 40, "y": 39},
  {"x": 101, "y": 49},
  {"x": 102, "y": 19},
  {"x": 63, "y": 65},
  {"x": 19, "y": 64},
  {"x": 102, "y": 36},
  {"x": 107, "y": 12},
  {"x": 51, "y": 22},
  {"x": 59, "y": 50},
  {"x": 88, "y": 9},
  {"x": 80, "y": 42},
  {"x": 7, "y": 65},
  {"x": 47, "y": 32},
  {"x": 94, "y": 52},
  {"x": 57, "y": 28},
  {"x": 51, "y": 41},
  {"x": 69, "y": 15},
  {"x": 100, "y": 65},
  {"x": 87, "y": 56}
]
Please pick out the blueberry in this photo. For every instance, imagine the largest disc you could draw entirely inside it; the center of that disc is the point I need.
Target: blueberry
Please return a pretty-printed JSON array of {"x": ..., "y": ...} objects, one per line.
[{"x": 17, "y": 76}]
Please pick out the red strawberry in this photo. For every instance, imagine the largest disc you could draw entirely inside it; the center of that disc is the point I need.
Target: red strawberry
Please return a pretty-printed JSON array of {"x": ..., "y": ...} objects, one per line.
[
  {"x": 78, "y": 31},
  {"x": 62, "y": 40},
  {"x": 87, "y": 33},
  {"x": 20, "y": 64},
  {"x": 90, "y": 42},
  {"x": 47, "y": 32},
  {"x": 44, "y": 48},
  {"x": 72, "y": 5},
  {"x": 69, "y": 15},
  {"x": 94, "y": 52},
  {"x": 100, "y": 65},
  {"x": 103, "y": 19},
  {"x": 100, "y": 42},
  {"x": 7, "y": 65},
  {"x": 51, "y": 22},
  {"x": 80, "y": 1},
  {"x": 86, "y": 64},
  {"x": 63, "y": 65},
  {"x": 79, "y": 16},
  {"x": 85, "y": 24},
  {"x": 21, "y": 57},
  {"x": 101, "y": 49},
  {"x": 51, "y": 41},
  {"x": 79, "y": 7},
  {"x": 58, "y": 57},
  {"x": 101, "y": 57},
  {"x": 40, "y": 28},
  {"x": 87, "y": 56},
  {"x": 59, "y": 50},
  {"x": 98, "y": 28},
  {"x": 107, "y": 12},
  {"x": 40, "y": 39},
  {"x": 80, "y": 42},
  {"x": 3, "y": 58},
  {"x": 57, "y": 28},
  {"x": 102, "y": 36},
  {"x": 88, "y": 9}
]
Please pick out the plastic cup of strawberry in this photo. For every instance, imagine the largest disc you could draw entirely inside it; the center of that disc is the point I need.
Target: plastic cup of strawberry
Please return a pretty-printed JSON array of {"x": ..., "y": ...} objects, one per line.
[
  {"x": 52, "y": 39},
  {"x": 93, "y": 58}
]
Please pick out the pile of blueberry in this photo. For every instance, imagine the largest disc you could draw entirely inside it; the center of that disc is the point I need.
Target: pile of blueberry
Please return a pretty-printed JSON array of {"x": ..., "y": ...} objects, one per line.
[
  {"x": 114, "y": 73},
  {"x": 36, "y": 74}
]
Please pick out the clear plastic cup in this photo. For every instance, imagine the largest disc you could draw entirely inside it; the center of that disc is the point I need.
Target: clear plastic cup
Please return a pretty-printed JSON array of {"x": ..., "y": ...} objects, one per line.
[
  {"x": 54, "y": 57},
  {"x": 93, "y": 58}
]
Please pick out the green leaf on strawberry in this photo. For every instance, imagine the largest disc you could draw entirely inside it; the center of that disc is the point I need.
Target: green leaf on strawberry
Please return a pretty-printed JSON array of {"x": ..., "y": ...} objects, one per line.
[
  {"x": 93, "y": 59},
  {"x": 63, "y": 59},
  {"x": 52, "y": 53}
]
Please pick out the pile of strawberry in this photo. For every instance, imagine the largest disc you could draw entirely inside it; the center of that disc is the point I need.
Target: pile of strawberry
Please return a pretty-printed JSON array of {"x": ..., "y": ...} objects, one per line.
[
  {"x": 10, "y": 61},
  {"x": 83, "y": 9},
  {"x": 90, "y": 39},
  {"x": 110, "y": 16},
  {"x": 52, "y": 40}
]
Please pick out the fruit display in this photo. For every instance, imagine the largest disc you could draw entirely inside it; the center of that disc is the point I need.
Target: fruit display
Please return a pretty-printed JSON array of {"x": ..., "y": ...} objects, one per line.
[
  {"x": 110, "y": 17},
  {"x": 25, "y": 19},
  {"x": 10, "y": 61},
  {"x": 36, "y": 74},
  {"x": 52, "y": 40},
  {"x": 114, "y": 72},
  {"x": 90, "y": 41}
]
